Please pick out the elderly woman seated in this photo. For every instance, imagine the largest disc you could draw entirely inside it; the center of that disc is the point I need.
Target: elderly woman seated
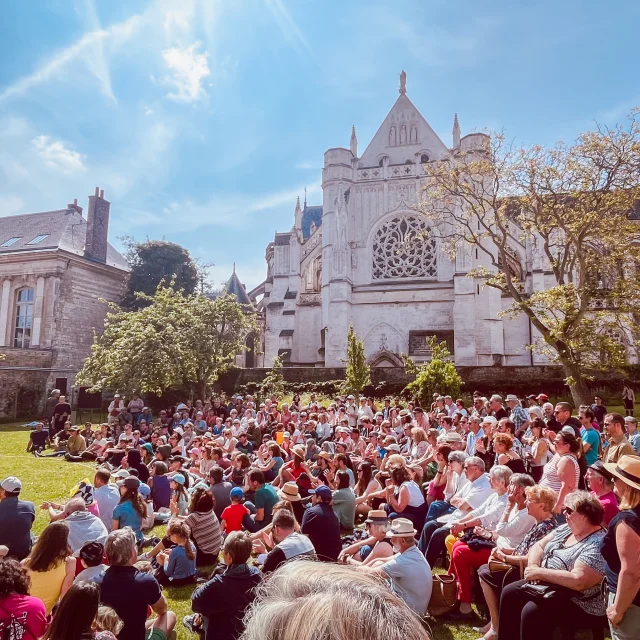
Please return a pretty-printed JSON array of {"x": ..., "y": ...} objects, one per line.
[
  {"x": 376, "y": 546},
  {"x": 561, "y": 583},
  {"x": 506, "y": 564},
  {"x": 474, "y": 549}
]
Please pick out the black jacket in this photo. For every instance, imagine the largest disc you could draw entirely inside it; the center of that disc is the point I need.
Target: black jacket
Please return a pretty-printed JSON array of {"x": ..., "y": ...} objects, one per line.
[
  {"x": 321, "y": 525},
  {"x": 224, "y": 600}
]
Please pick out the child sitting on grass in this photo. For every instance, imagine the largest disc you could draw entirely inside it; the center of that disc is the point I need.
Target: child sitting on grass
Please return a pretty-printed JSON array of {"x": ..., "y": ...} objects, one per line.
[
  {"x": 233, "y": 514},
  {"x": 91, "y": 556},
  {"x": 178, "y": 564}
]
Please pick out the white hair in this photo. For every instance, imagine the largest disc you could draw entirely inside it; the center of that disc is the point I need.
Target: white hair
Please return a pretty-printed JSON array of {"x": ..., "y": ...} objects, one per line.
[{"x": 502, "y": 473}]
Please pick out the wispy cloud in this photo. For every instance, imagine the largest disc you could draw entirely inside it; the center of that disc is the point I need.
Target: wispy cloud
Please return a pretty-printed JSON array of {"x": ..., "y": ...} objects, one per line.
[
  {"x": 188, "y": 69},
  {"x": 306, "y": 164},
  {"x": 220, "y": 210},
  {"x": 84, "y": 51},
  {"x": 288, "y": 27},
  {"x": 57, "y": 156}
]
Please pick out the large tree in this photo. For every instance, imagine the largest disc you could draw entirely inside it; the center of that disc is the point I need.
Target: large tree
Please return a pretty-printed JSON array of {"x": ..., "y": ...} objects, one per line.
[
  {"x": 175, "y": 341},
  {"x": 358, "y": 372},
  {"x": 154, "y": 261},
  {"x": 564, "y": 213}
]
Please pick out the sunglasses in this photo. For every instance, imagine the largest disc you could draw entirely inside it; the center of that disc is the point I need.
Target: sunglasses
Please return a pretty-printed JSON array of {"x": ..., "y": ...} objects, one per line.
[{"x": 567, "y": 511}]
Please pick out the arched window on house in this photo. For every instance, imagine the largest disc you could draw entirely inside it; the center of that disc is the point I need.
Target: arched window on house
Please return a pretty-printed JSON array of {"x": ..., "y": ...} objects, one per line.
[{"x": 23, "y": 318}]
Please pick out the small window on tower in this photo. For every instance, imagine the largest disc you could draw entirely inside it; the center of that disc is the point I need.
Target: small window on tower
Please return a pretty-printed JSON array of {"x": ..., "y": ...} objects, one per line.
[{"x": 424, "y": 158}]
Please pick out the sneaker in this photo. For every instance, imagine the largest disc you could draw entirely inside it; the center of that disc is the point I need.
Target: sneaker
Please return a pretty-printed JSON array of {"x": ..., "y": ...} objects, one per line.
[{"x": 193, "y": 622}]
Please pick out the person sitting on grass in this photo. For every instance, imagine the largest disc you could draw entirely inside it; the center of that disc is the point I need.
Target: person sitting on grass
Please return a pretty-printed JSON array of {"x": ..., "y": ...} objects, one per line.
[
  {"x": 21, "y": 615},
  {"x": 130, "y": 592},
  {"x": 234, "y": 514},
  {"x": 38, "y": 439},
  {"x": 76, "y": 615},
  {"x": 91, "y": 556},
  {"x": 16, "y": 518},
  {"x": 50, "y": 564},
  {"x": 222, "y": 602},
  {"x": 376, "y": 546},
  {"x": 131, "y": 509},
  {"x": 178, "y": 563}
]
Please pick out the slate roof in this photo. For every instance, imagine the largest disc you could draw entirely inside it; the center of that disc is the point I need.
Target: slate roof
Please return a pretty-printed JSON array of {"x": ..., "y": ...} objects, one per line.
[
  {"x": 309, "y": 215},
  {"x": 65, "y": 230},
  {"x": 234, "y": 287}
]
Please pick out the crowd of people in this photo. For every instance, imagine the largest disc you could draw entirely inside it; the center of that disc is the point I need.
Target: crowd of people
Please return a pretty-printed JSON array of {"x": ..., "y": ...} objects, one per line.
[{"x": 283, "y": 516}]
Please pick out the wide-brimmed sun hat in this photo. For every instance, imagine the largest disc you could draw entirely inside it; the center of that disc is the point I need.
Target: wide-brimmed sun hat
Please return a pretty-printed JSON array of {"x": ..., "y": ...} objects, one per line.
[
  {"x": 627, "y": 469},
  {"x": 401, "y": 528},
  {"x": 290, "y": 492},
  {"x": 298, "y": 450},
  {"x": 377, "y": 516}
]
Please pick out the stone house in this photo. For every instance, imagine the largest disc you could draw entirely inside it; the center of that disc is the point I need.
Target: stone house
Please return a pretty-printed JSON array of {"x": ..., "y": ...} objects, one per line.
[{"x": 56, "y": 268}]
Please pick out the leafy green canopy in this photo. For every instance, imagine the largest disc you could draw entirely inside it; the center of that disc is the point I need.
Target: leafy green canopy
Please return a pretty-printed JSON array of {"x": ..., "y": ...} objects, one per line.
[
  {"x": 358, "y": 373},
  {"x": 178, "y": 340},
  {"x": 273, "y": 383},
  {"x": 439, "y": 375}
]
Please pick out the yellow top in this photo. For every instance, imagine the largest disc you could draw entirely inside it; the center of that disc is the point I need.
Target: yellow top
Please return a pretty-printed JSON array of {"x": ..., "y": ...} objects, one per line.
[{"x": 47, "y": 585}]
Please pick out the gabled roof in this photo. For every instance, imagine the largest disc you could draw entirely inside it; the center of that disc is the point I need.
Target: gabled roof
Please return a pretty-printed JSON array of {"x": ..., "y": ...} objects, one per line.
[
  {"x": 234, "y": 287},
  {"x": 405, "y": 113},
  {"x": 309, "y": 215},
  {"x": 64, "y": 229}
]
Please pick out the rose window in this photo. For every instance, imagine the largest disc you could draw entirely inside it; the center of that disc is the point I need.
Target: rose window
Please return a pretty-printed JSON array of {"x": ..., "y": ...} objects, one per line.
[{"x": 403, "y": 247}]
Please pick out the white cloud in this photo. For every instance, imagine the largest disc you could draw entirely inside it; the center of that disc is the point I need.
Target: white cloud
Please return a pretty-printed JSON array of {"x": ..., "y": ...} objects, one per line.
[
  {"x": 57, "y": 156},
  {"x": 188, "y": 69}
]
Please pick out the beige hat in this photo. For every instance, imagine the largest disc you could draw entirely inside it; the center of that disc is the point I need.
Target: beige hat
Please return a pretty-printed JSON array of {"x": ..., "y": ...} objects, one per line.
[
  {"x": 376, "y": 516},
  {"x": 290, "y": 492},
  {"x": 401, "y": 528},
  {"x": 325, "y": 455},
  {"x": 627, "y": 469},
  {"x": 298, "y": 450}
]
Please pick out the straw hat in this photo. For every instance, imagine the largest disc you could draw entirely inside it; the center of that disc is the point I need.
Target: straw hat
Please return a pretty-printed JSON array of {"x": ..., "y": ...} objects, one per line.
[
  {"x": 627, "y": 469},
  {"x": 401, "y": 528},
  {"x": 325, "y": 455},
  {"x": 377, "y": 516},
  {"x": 290, "y": 492},
  {"x": 298, "y": 450}
]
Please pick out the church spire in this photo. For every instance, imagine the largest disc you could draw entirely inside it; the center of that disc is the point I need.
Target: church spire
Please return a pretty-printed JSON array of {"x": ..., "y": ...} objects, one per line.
[
  {"x": 403, "y": 83},
  {"x": 456, "y": 132},
  {"x": 354, "y": 142},
  {"x": 298, "y": 214}
]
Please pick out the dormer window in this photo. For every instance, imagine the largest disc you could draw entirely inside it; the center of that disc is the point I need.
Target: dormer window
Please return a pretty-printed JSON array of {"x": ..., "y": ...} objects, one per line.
[{"x": 9, "y": 242}]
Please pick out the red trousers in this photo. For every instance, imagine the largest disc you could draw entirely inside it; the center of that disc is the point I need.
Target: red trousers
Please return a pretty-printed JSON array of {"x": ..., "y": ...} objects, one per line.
[{"x": 464, "y": 562}]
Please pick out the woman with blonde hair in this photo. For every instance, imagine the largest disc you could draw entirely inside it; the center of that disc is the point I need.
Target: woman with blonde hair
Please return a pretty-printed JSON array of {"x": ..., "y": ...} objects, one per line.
[
  {"x": 306, "y": 600},
  {"x": 420, "y": 444},
  {"x": 620, "y": 551}
]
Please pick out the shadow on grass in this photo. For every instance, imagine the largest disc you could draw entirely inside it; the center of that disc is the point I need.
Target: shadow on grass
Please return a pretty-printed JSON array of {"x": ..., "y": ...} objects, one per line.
[{"x": 15, "y": 426}]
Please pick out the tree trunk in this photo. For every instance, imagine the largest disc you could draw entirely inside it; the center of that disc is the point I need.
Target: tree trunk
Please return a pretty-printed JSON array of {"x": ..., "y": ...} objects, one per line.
[{"x": 579, "y": 390}]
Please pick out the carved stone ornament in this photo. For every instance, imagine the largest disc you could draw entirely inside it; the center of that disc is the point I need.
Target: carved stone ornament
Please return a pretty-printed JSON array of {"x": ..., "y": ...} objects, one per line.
[{"x": 403, "y": 247}]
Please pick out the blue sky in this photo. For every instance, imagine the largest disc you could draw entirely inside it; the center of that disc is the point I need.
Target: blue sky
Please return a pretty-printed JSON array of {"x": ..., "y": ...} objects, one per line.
[{"x": 203, "y": 119}]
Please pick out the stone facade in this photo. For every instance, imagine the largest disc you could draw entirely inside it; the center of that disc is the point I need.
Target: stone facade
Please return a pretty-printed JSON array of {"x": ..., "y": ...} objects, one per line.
[
  {"x": 52, "y": 299},
  {"x": 366, "y": 257}
]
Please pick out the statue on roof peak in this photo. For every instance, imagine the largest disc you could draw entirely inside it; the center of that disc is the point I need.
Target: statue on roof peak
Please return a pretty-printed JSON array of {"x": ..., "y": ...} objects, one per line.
[{"x": 403, "y": 83}]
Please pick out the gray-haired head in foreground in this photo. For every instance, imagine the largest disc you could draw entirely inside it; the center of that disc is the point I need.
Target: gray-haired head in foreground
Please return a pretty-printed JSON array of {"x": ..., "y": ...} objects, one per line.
[{"x": 120, "y": 547}]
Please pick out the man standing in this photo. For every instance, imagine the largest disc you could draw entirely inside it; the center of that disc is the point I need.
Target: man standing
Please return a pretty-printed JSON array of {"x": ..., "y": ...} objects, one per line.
[
  {"x": 408, "y": 572},
  {"x": 289, "y": 543},
  {"x": 497, "y": 410},
  {"x": 618, "y": 445},
  {"x": 564, "y": 418},
  {"x": 352, "y": 411},
  {"x": 61, "y": 413},
  {"x": 16, "y": 519},
  {"x": 590, "y": 437},
  {"x": 265, "y": 498},
  {"x": 130, "y": 592},
  {"x": 475, "y": 433},
  {"x": 107, "y": 497},
  {"x": 50, "y": 405},
  {"x": 599, "y": 410},
  {"x": 517, "y": 415},
  {"x": 449, "y": 406},
  {"x": 321, "y": 524}
]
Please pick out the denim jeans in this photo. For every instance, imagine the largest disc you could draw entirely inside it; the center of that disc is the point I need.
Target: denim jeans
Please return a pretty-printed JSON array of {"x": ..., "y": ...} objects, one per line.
[{"x": 439, "y": 508}]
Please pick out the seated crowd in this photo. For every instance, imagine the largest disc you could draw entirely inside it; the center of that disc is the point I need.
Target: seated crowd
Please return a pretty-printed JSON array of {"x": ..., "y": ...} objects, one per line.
[{"x": 529, "y": 509}]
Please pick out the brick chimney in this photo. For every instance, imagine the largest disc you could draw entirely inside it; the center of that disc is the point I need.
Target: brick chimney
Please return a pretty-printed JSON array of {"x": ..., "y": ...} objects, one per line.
[
  {"x": 75, "y": 205},
  {"x": 97, "y": 227}
]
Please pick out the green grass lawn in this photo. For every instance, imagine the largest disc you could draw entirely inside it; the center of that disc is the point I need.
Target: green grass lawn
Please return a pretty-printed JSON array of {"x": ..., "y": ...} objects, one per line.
[{"x": 51, "y": 479}]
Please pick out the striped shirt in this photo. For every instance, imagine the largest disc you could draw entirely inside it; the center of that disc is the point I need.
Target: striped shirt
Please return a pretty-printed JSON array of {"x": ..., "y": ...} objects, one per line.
[
  {"x": 205, "y": 531},
  {"x": 550, "y": 476}
]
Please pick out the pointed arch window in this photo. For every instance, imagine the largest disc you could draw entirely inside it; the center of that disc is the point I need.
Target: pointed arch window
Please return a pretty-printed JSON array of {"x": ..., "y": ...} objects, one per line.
[{"x": 23, "y": 327}]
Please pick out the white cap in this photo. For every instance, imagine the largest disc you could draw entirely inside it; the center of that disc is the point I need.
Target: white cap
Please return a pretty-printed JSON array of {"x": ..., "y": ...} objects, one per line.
[
  {"x": 122, "y": 473},
  {"x": 11, "y": 484}
]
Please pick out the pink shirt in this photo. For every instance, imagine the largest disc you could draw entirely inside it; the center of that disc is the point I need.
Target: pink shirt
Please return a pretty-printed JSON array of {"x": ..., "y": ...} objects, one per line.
[
  {"x": 22, "y": 617},
  {"x": 610, "y": 506}
]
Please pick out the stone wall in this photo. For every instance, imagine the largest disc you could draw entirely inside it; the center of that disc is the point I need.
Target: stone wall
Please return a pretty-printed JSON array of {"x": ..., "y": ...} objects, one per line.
[{"x": 23, "y": 382}]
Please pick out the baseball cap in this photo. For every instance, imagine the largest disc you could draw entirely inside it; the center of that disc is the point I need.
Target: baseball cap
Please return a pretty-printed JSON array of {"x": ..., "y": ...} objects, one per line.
[
  {"x": 92, "y": 552},
  {"x": 568, "y": 429},
  {"x": 122, "y": 473},
  {"x": 181, "y": 406},
  {"x": 236, "y": 492},
  {"x": 144, "y": 490},
  {"x": 11, "y": 484},
  {"x": 322, "y": 492},
  {"x": 147, "y": 446},
  {"x": 179, "y": 478},
  {"x": 131, "y": 482}
]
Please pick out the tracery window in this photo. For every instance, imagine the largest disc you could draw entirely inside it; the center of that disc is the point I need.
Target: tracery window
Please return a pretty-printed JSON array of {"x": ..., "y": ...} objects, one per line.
[{"x": 403, "y": 247}]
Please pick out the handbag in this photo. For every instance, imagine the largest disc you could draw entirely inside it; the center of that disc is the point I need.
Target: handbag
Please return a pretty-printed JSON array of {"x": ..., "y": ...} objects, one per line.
[
  {"x": 444, "y": 594},
  {"x": 497, "y": 565}
]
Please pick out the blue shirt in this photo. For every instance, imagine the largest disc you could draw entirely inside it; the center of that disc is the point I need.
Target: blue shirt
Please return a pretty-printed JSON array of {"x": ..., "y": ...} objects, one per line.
[
  {"x": 178, "y": 565},
  {"x": 127, "y": 516},
  {"x": 592, "y": 437}
]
